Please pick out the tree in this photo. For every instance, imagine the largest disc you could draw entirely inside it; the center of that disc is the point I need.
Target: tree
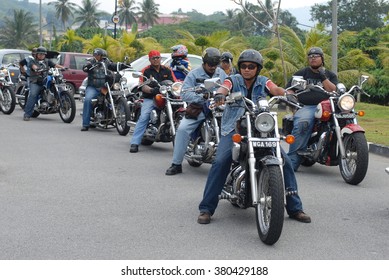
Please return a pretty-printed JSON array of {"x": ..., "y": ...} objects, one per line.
[
  {"x": 87, "y": 14},
  {"x": 64, "y": 9},
  {"x": 353, "y": 15},
  {"x": 70, "y": 42},
  {"x": 19, "y": 32},
  {"x": 127, "y": 13},
  {"x": 148, "y": 14}
]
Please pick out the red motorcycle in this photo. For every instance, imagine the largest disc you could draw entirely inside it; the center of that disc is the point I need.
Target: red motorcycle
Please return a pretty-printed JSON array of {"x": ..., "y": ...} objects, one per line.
[{"x": 336, "y": 139}]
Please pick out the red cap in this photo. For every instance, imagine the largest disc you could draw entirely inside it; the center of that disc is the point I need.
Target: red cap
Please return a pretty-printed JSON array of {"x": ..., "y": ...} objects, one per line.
[{"x": 153, "y": 53}]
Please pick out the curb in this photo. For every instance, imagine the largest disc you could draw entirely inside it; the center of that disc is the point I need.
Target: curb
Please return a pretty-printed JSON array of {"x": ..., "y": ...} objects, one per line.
[{"x": 379, "y": 149}]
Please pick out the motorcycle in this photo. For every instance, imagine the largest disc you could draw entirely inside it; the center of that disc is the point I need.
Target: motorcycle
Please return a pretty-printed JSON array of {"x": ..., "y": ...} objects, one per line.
[
  {"x": 167, "y": 114},
  {"x": 256, "y": 177},
  {"x": 336, "y": 139},
  {"x": 7, "y": 94},
  {"x": 205, "y": 139},
  {"x": 22, "y": 91},
  {"x": 110, "y": 108},
  {"x": 54, "y": 97}
]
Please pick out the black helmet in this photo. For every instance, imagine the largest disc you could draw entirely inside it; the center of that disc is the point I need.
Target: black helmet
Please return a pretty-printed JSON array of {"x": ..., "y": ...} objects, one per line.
[
  {"x": 99, "y": 51},
  {"x": 227, "y": 56},
  {"x": 251, "y": 56},
  {"x": 317, "y": 50},
  {"x": 211, "y": 56},
  {"x": 41, "y": 50}
]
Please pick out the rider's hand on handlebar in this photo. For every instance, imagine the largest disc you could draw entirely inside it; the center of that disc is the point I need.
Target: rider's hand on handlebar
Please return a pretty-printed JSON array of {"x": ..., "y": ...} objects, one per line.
[{"x": 155, "y": 91}]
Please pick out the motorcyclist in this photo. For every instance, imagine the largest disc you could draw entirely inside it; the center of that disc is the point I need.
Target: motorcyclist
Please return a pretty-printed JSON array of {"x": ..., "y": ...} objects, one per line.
[
  {"x": 96, "y": 79},
  {"x": 160, "y": 73},
  {"x": 209, "y": 69},
  {"x": 226, "y": 63},
  {"x": 253, "y": 86},
  {"x": 36, "y": 76},
  {"x": 24, "y": 63},
  {"x": 180, "y": 63},
  {"x": 304, "y": 118}
]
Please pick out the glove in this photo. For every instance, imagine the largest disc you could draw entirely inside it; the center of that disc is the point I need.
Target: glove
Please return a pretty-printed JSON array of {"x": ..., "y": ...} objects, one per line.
[
  {"x": 87, "y": 67},
  {"x": 155, "y": 91},
  {"x": 219, "y": 98},
  {"x": 322, "y": 73}
]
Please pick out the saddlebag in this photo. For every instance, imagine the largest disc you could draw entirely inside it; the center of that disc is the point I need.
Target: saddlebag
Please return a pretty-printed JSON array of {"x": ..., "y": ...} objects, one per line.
[
  {"x": 193, "y": 110},
  {"x": 287, "y": 124}
]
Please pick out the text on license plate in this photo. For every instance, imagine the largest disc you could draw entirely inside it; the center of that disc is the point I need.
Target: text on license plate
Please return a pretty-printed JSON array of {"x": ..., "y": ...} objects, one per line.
[{"x": 264, "y": 144}]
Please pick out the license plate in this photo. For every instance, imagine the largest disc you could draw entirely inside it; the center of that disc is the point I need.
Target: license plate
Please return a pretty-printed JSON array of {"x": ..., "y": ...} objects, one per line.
[
  {"x": 218, "y": 114},
  {"x": 176, "y": 102},
  {"x": 345, "y": 116},
  {"x": 264, "y": 144}
]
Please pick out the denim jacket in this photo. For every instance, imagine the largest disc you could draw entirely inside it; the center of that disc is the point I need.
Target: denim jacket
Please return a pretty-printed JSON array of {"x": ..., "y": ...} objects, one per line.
[
  {"x": 234, "y": 111},
  {"x": 190, "y": 82}
]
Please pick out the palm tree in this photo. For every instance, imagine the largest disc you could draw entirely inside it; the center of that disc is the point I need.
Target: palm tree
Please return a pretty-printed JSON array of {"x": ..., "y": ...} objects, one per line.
[
  {"x": 87, "y": 14},
  {"x": 127, "y": 13},
  {"x": 70, "y": 41},
  {"x": 148, "y": 14},
  {"x": 19, "y": 32},
  {"x": 64, "y": 9}
]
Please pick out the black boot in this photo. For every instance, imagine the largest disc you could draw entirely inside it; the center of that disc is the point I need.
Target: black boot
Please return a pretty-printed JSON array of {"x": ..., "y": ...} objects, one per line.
[{"x": 174, "y": 169}]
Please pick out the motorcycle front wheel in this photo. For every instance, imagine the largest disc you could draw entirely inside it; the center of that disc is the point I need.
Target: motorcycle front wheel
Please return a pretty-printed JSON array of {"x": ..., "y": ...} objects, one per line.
[
  {"x": 354, "y": 166},
  {"x": 21, "y": 96},
  {"x": 7, "y": 104},
  {"x": 67, "y": 110},
  {"x": 122, "y": 116},
  {"x": 269, "y": 212}
]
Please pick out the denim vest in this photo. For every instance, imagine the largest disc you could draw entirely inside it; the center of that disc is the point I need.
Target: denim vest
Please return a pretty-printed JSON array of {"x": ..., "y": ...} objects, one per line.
[
  {"x": 190, "y": 82},
  {"x": 96, "y": 77},
  {"x": 234, "y": 111}
]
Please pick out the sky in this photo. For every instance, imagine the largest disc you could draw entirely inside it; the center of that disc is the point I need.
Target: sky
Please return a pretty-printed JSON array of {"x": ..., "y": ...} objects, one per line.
[{"x": 206, "y": 7}]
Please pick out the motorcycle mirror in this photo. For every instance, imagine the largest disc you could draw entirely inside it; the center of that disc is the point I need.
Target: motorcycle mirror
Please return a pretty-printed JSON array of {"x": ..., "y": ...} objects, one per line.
[
  {"x": 136, "y": 74},
  {"x": 298, "y": 83},
  {"x": 211, "y": 83},
  {"x": 364, "y": 78}
]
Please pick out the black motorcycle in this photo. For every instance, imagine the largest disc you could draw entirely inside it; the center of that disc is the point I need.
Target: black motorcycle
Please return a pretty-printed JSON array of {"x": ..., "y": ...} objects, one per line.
[
  {"x": 110, "y": 109},
  {"x": 54, "y": 97}
]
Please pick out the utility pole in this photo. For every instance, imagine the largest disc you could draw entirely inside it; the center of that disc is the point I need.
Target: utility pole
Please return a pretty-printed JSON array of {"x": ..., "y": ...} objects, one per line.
[
  {"x": 334, "y": 44},
  {"x": 40, "y": 22},
  {"x": 114, "y": 19}
]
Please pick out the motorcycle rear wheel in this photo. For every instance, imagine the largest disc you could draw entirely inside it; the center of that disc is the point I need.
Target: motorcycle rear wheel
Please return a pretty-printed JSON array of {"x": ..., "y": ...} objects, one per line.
[
  {"x": 7, "y": 105},
  {"x": 353, "y": 168},
  {"x": 269, "y": 212},
  {"x": 67, "y": 110},
  {"x": 122, "y": 116}
]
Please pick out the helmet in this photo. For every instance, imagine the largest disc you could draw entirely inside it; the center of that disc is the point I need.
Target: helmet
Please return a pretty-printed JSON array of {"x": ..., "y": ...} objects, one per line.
[
  {"x": 179, "y": 51},
  {"x": 41, "y": 50},
  {"x": 317, "y": 50},
  {"x": 99, "y": 51},
  {"x": 211, "y": 56},
  {"x": 33, "y": 51},
  {"x": 227, "y": 56},
  {"x": 251, "y": 56}
]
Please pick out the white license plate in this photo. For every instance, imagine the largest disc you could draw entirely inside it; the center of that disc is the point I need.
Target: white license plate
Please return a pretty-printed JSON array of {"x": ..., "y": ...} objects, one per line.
[{"x": 264, "y": 144}]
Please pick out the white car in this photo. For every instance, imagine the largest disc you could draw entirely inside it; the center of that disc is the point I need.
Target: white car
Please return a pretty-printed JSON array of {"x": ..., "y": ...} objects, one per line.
[{"x": 140, "y": 63}]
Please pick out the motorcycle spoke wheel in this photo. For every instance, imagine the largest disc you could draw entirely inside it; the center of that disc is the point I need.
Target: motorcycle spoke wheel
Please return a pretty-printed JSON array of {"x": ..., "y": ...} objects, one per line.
[
  {"x": 21, "y": 100},
  {"x": 269, "y": 211},
  {"x": 67, "y": 110},
  {"x": 122, "y": 116},
  {"x": 8, "y": 102},
  {"x": 353, "y": 167}
]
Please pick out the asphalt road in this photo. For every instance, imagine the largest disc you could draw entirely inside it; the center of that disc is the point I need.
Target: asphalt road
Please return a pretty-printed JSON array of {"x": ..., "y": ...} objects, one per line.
[{"x": 66, "y": 194}]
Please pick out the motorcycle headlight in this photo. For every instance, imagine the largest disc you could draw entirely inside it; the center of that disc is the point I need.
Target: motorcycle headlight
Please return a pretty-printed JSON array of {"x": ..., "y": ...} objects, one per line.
[
  {"x": 264, "y": 123},
  {"x": 123, "y": 80},
  {"x": 176, "y": 89},
  {"x": 346, "y": 102},
  {"x": 116, "y": 86},
  {"x": 163, "y": 90}
]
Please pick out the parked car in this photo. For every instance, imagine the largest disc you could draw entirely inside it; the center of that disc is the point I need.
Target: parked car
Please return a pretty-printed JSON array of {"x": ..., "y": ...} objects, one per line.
[
  {"x": 13, "y": 56},
  {"x": 140, "y": 63},
  {"x": 74, "y": 74}
]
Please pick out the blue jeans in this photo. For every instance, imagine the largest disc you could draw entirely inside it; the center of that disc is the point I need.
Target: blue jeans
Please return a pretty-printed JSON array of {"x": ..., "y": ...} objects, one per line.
[
  {"x": 90, "y": 93},
  {"x": 33, "y": 97},
  {"x": 303, "y": 122},
  {"x": 183, "y": 133},
  {"x": 143, "y": 121},
  {"x": 221, "y": 167}
]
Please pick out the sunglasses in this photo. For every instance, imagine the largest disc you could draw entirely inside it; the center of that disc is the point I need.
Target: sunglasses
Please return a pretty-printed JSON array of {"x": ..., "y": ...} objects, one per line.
[
  {"x": 314, "y": 56},
  {"x": 155, "y": 57},
  {"x": 248, "y": 66},
  {"x": 212, "y": 64}
]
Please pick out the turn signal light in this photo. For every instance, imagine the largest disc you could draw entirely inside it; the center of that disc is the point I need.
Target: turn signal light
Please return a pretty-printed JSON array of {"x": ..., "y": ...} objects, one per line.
[
  {"x": 326, "y": 114},
  {"x": 236, "y": 138},
  {"x": 289, "y": 139},
  {"x": 361, "y": 113},
  {"x": 104, "y": 90}
]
